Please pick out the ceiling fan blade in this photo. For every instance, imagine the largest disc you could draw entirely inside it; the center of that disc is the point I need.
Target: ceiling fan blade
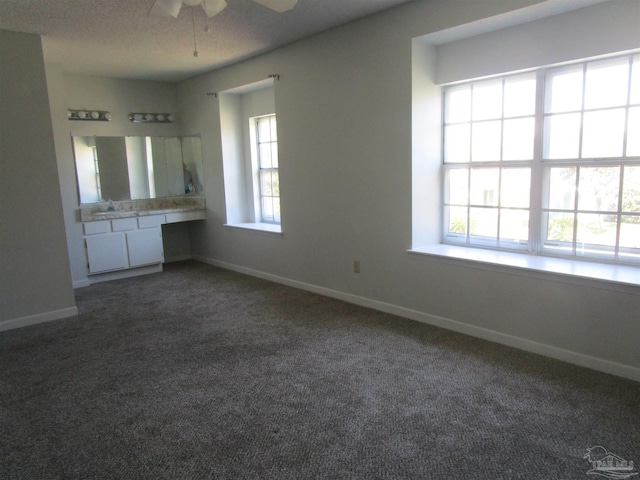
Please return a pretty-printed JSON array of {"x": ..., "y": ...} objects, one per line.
[
  {"x": 166, "y": 8},
  {"x": 278, "y": 5},
  {"x": 213, "y": 7}
]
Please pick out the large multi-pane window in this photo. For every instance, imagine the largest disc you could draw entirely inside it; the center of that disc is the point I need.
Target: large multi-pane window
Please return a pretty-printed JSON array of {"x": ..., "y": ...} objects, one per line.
[
  {"x": 546, "y": 161},
  {"x": 267, "y": 168}
]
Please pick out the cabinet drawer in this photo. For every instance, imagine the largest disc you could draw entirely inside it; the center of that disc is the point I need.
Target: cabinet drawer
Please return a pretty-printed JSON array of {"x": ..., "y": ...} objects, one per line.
[
  {"x": 91, "y": 228},
  {"x": 151, "y": 221},
  {"x": 121, "y": 224}
]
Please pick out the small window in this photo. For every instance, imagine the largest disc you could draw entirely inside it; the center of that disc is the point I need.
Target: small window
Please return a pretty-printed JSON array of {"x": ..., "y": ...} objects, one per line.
[{"x": 266, "y": 161}]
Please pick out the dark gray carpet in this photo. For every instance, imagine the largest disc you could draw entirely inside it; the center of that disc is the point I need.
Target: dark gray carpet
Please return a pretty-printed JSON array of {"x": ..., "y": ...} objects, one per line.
[{"x": 198, "y": 373}]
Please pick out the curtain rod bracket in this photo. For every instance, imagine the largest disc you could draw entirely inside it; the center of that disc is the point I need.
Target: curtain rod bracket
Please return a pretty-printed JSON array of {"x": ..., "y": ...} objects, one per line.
[{"x": 274, "y": 75}]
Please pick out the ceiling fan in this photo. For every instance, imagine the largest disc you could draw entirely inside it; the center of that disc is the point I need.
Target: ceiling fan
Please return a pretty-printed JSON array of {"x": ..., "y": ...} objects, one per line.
[{"x": 171, "y": 8}]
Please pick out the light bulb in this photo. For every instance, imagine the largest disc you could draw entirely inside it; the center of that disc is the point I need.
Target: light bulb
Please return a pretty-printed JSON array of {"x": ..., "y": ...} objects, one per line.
[
  {"x": 95, "y": 115},
  {"x": 138, "y": 117},
  {"x": 170, "y": 118},
  {"x": 160, "y": 117},
  {"x": 107, "y": 116},
  {"x": 214, "y": 7},
  {"x": 148, "y": 117},
  {"x": 82, "y": 114}
]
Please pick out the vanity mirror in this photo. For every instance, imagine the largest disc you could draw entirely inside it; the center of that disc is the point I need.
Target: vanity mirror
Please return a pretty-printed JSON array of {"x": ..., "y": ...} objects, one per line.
[{"x": 132, "y": 168}]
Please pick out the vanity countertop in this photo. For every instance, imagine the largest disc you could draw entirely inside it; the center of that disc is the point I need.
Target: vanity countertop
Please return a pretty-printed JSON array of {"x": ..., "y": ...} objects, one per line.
[
  {"x": 134, "y": 208},
  {"x": 112, "y": 215}
]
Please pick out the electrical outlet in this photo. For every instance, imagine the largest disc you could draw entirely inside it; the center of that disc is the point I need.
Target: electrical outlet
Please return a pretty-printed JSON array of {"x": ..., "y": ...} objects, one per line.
[{"x": 356, "y": 266}]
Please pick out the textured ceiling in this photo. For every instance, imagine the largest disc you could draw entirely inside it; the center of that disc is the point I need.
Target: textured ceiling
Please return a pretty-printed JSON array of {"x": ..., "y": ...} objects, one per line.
[{"x": 118, "y": 38}]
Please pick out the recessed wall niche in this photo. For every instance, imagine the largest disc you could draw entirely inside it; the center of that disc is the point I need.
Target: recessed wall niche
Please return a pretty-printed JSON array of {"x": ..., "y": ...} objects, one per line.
[{"x": 237, "y": 106}]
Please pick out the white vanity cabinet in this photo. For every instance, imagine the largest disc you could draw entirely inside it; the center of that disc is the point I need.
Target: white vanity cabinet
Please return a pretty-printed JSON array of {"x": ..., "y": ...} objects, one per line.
[
  {"x": 132, "y": 245},
  {"x": 121, "y": 244}
]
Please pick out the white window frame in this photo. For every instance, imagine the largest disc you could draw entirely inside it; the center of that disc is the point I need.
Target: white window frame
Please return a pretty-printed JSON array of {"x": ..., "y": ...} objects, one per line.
[
  {"x": 540, "y": 168},
  {"x": 258, "y": 170}
]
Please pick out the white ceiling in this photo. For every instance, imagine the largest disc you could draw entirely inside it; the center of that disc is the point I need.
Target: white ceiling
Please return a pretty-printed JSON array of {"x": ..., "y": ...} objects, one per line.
[{"x": 117, "y": 38}]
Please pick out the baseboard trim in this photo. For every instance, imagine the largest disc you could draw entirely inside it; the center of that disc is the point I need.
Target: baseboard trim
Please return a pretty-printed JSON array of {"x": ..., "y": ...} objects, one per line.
[
  {"x": 126, "y": 273},
  {"x": 39, "y": 318},
  {"x": 81, "y": 283},
  {"x": 177, "y": 258},
  {"x": 594, "y": 363}
]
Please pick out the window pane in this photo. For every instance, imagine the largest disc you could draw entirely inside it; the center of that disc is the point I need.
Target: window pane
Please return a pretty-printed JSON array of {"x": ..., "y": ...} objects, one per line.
[
  {"x": 520, "y": 95},
  {"x": 596, "y": 230},
  {"x": 486, "y": 141},
  {"x": 276, "y": 210},
  {"x": 631, "y": 190},
  {"x": 514, "y": 227},
  {"x": 273, "y": 130},
  {"x": 603, "y": 134},
  {"x": 457, "y": 186},
  {"x": 562, "y": 188},
  {"x": 268, "y": 210},
  {"x": 483, "y": 222},
  {"x": 518, "y": 139},
  {"x": 633, "y": 132},
  {"x": 606, "y": 83},
  {"x": 264, "y": 130},
  {"x": 487, "y": 100},
  {"x": 457, "y": 104},
  {"x": 635, "y": 80},
  {"x": 275, "y": 184},
  {"x": 598, "y": 188},
  {"x": 630, "y": 232},
  {"x": 560, "y": 227},
  {"x": 266, "y": 183},
  {"x": 562, "y": 136},
  {"x": 457, "y": 143},
  {"x": 274, "y": 155},
  {"x": 457, "y": 222},
  {"x": 564, "y": 90},
  {"x": 484, "y": 186},
  {"x": 265, "y": 155},
  {"x": 515, "y": 187}
]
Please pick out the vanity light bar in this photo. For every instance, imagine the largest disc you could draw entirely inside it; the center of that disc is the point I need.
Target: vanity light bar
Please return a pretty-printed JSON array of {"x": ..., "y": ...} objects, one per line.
[
  {"x": 90, "y": 115},
  {"x": 151, "y": 117}
]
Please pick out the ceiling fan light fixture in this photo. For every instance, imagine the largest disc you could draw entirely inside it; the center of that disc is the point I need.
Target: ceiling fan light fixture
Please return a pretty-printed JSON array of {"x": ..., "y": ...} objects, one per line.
[
  {"x": 166, "y": 8},
  {"x": 213, "y": 7}
]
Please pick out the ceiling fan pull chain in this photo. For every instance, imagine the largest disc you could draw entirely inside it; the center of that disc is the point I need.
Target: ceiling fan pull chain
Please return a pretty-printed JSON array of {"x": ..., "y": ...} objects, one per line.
[{"x": 193, "y": 24}]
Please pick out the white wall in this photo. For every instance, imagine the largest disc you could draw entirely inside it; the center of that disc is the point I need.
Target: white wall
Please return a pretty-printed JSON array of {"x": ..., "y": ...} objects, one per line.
[
  {"x": 346, "y": 122},
  {"x": 35, "y": 281},
  {"x": 586, "y": 32}
]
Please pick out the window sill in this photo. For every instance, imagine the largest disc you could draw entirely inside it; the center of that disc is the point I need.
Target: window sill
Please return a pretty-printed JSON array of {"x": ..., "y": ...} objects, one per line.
[
  {"x": 270, "y": 229},
  {"x": 606, "y": 275}
]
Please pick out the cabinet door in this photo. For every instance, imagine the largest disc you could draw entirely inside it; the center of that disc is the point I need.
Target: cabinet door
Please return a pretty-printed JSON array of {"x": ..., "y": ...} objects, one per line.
[
  {"x": 106, "y": 252},
  {"x": 145, "y": 247}
]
